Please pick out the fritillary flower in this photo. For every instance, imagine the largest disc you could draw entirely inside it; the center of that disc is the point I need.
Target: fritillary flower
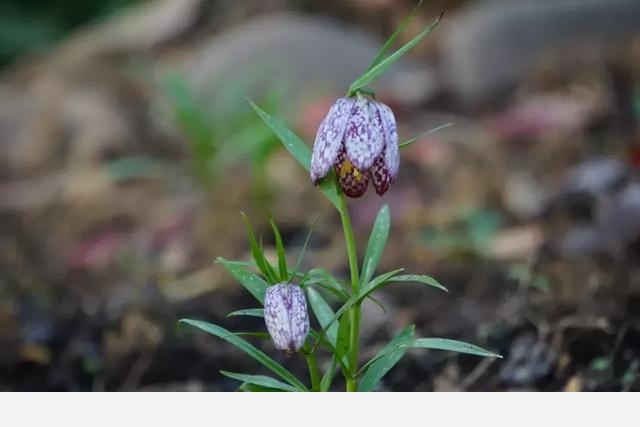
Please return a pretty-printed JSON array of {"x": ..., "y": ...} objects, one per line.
[{"x": 358, "y": 137}]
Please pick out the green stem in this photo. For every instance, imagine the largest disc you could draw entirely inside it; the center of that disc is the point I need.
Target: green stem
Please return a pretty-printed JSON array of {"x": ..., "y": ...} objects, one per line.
[
  {"x": 314, "y": 372},
  {"x": 354, "y": 312}
]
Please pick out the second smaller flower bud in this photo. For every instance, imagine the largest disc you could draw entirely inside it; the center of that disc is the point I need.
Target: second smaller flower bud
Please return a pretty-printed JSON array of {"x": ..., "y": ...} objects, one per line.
[{"x": 286, "y": 316}]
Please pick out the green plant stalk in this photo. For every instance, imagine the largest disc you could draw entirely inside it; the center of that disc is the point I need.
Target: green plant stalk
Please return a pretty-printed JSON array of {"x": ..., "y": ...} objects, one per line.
[
  {"x": 354, "y": 312},
  {"x": 314, "y": 372}
]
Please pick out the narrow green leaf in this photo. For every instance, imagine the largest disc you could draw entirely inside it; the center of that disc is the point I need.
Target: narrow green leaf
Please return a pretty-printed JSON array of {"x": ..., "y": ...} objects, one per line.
[
  {"x": 272, "y": 271},
  {"x": 338, "y": 293},
  {"x": 452, "y": 345},
  {"x": 243, "y": 345},
  {"x": 256, "y": 251},
  {"x": 299, "y": 151},
  {"x": 375, "y": 72},
  {"x": 304, "y": 246},
  {"x": 260, "y": 380},
  {"x": 388, "y": 359},
  {"x": 417, "y": 138},
  {"x": 387, "y": 45},
  {"x": 251, "y": 312},
  {"x": 261, "y": 335},
  {"x": 420, "y": 278},
  {"x": 282, "y": 258},
  {"x": 364, "y": 291},
  {"x": 323, "y": 312},
  {"x": 251, "y": 281},
  {"x": 377, "y": 241},
  {"x": 327, "y": 378},
  {"x": 343, "y": 344},
  {"x": 248, "y": 387}
]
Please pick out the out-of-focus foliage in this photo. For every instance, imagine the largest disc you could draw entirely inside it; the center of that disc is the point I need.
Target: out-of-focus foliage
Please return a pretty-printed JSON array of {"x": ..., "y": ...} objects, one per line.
[
  {"x": 30, "y": 25},
  {"x": 220, "y": 135}
]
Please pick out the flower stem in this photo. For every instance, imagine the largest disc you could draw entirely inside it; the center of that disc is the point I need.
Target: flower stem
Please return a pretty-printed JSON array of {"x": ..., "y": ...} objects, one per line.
[
  {"x": 354, "y": 312},
  {"x": 314, "y": 373}
]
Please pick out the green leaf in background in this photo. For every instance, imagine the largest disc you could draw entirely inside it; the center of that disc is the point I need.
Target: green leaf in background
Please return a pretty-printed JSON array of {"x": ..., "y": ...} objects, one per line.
[
  {"x": 256, "y": 354},
  {"x": 420, "y": 278},
  {"x": 136, "y": 167},
  {"x": 300, "y": 152},
  {"x": 260, "y": 380},
  {"x": 377, "y": 240},
  {"x": 387, "y": 45},
  {"x": 452, "y": 345},
  {"x": 282, "y": 258},
  {"x": 251, "y": 281},
  {"x": 250, "y": 312},
  {"x": 417, "y": 138},
  {"x": 390, "y": 355},
  {"x": 257, "y": 253},
  {"x": 370, "y": 75}
]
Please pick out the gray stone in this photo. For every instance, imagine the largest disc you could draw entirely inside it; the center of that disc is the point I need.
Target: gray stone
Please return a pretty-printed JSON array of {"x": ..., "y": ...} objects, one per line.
[
  {"x": 308, "y": 55},
  {"x": 490, "y": 45}
]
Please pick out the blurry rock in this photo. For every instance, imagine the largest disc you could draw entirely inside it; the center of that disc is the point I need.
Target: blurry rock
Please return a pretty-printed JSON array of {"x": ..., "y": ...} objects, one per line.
[
  {"x": 524, "y": 196},
  {"x": 619, "y": 219},
  {"x": 491, "y": 45},
  {"x": 596, "y": 175},
  {"x": 580, "y": 240},
  {"x": 529, "y": 361},
  {"x": 141, "y": 28},
  {"x": 306, "y": 54},
  {"x": 516, "y": 242}
]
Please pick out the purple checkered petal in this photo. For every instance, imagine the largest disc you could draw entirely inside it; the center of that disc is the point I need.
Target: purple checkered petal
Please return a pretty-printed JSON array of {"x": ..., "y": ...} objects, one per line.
[
  {"x": 391, "y": 157},
  {"x": 352, "y": 181},
  {"x": 329, "y": 138},
  {"x": 286, "y": 316},
  {"x": 364, "y": 136},
  {"x": 379, "y": 175}
]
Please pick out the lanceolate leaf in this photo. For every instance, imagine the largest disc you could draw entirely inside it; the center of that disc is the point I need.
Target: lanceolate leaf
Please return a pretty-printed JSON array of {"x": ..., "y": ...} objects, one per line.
[
  {"x": 389, "y": 356},
  {"x": 387, "y": 45},
  {"x": 377, "y": 241},
  {"x": 304, "y": 246},
  {"x": 300, "y": 151},
  {"x": 251, "y": 281},
  {"x": 323, "y": 313},
  {"x": 282, "y": 258},
  {"x": 420, "y": 278},
  {"x": 377, "y": 70},
  {"x": 257, "y": 252},
  {"x": 452, "y": 345},
  {"x": 243, "y": 345},
  {"x": 260, "y": 380},
  {"x": 417, "y": 138},
  {"x": 251, "y": 312},
  {"x": 363, "y": 293}
]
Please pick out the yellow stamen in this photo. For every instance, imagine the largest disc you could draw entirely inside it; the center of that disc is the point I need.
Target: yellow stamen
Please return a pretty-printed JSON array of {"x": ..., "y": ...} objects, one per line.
[{"x": 347, "y": 168}]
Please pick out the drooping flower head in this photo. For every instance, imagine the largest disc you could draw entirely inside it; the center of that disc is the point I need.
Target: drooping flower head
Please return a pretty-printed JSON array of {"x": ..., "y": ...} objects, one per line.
[
  {"x": 359, "y": 138},
  {"x": 286, "y": 316}
]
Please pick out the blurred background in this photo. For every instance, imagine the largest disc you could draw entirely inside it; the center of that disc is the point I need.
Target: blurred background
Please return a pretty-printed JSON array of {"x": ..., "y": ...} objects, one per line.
[{"x": 128, "y": 150}]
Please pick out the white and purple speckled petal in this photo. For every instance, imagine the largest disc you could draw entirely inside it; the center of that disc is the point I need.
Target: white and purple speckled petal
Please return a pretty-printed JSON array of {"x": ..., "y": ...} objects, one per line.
[
  {"x": 364, "y": 138},
  {"x": 329, "y": 138},
  {"x": 299, "y": 317},
  {"x": 391, "y": 156},
  {"x": 286, "y": 316}
]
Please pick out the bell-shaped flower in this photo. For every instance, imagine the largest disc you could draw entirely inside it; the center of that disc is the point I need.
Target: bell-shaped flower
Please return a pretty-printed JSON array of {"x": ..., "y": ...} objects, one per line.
[
  {"x": 359, "y": 138},
  {"x": 286, "y": 316}
]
